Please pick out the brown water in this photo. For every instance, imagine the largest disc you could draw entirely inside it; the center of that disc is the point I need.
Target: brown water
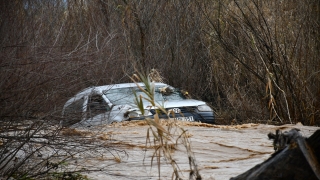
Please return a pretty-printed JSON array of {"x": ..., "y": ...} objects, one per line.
[{"x": 221, "y": 152}]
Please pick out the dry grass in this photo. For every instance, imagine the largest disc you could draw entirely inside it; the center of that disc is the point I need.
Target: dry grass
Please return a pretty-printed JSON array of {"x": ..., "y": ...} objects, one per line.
[
  {"x": 170, "y": 122},
  {"x": 242, "y": 126},
  {"x": 210, "y": 167},
  {"x": 164, "y": 135},
  {"x": 75, "y": 132},
  {"x": 163, "y": 122},
  {"x": 104, "y": 136},
  {"x": 129, "y": 124},
  {"x": 130, "y": 145},
  {"x": 117, "y": 159}
]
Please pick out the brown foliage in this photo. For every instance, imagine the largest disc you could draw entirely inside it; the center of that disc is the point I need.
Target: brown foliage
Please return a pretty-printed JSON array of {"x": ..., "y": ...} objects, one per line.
[{"x": 252, "y": 60}]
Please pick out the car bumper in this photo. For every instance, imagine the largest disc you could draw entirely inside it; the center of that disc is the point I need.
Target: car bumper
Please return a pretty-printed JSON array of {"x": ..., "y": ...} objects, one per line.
[{"x": 204, "y": 117}]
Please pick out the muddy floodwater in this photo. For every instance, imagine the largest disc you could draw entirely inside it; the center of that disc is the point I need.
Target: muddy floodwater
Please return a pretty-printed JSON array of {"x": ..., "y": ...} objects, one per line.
[{"x": 221, "y": 152}]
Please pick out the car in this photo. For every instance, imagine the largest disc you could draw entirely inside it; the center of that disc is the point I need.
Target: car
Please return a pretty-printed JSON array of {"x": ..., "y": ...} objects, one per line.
[{"x": 115, "y": 103}]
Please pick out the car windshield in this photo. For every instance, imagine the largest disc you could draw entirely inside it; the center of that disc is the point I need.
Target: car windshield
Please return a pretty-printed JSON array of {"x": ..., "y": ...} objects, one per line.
[{"x": 123, "y": 96}]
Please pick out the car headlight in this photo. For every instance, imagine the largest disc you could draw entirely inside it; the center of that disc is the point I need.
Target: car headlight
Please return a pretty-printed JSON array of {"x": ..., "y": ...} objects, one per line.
[
  {"x": 147, "y": 112},
  {"x": 204, "y": 108},
  {"x": 135, "y": 113}
]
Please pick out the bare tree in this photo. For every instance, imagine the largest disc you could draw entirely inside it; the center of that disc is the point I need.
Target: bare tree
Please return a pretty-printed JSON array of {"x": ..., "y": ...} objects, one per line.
[
  {"x": 49, "y": 51},
  {"x": 269, "y": 40},
  {"x": 252, "y": 60}
]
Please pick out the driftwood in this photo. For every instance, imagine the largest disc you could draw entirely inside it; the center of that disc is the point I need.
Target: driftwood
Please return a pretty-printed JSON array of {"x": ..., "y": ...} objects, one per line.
[{"x": 295, "y": 157}]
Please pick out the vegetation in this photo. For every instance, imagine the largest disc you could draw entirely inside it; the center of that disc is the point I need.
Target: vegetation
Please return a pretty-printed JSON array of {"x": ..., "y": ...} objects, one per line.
[
  {"x": 253, "y": 61},
  {"x": 164, "y": 138}
]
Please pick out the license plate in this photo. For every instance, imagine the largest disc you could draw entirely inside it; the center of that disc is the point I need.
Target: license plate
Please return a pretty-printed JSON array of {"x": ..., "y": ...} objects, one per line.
[{"x": 189, "y": 118}]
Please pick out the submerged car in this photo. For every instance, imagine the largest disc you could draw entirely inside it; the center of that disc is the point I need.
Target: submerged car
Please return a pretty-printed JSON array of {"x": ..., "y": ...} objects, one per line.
[{"x": 115, "y": 103}]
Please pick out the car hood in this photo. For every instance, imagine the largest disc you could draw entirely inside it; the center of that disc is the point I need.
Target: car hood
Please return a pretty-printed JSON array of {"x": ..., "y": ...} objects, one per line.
[{"x": 180, "y": 103}]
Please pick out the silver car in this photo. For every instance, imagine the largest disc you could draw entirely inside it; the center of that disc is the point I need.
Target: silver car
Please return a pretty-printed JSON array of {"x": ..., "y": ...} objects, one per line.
[{"x": 115, "y": 103}]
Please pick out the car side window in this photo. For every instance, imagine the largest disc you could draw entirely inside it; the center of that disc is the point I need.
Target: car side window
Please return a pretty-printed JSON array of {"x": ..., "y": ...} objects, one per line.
[
  {"x": 97, "y": 105},
  {"x": 75, "y": 107},
  {"x": 73, "y": 113}
]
